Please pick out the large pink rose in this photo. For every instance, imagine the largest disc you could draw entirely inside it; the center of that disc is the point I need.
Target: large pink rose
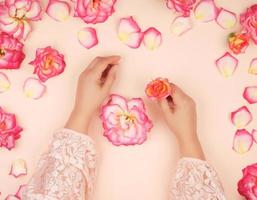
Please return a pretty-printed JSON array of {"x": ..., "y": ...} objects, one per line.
[
  {"x": 247, "y": 186},
  {"x": 125, "y": 121},
  {"x": 11, "y": 54},
  {"x": 94, "y": 11},
  {"x": 48, "y": 63},
  {"x": 248, "y": 20},
  {"x": 9, "y": 130},
  {"x": 15, "y": 16},
  {"x": 181, "y": 6}
]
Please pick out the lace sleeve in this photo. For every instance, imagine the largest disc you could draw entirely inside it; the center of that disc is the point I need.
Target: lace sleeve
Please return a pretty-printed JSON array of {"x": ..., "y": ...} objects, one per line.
[
  {"x": 196, "y": 180},
  {"x": 66, "y": 171}
]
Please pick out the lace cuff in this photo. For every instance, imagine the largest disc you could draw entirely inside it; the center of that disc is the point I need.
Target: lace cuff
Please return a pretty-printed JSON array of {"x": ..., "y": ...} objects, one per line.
[
  {"x": 66, "y": 171},
  {"x": 196, "y": 180}
]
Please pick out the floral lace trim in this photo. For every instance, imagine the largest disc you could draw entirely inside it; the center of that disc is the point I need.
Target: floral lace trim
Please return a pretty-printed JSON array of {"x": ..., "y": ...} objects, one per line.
[
  {"x": 196, "y": 180},
  {"x": 66, "y": 170}
]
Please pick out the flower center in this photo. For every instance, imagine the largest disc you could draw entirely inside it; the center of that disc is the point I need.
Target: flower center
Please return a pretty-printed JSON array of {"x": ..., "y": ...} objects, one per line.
[
  {"x": 126, "y": 120},
  {"x": 2, "y": 52},
  {"x": 48, "y": 63},
  {"x": 95, "y": 3},
  {"x": 2, "y": 126},
  {"x": 19, "y": 14}
]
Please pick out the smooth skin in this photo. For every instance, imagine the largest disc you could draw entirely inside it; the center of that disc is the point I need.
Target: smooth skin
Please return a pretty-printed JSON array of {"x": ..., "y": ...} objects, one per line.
[{"x": 94, "y": 86}]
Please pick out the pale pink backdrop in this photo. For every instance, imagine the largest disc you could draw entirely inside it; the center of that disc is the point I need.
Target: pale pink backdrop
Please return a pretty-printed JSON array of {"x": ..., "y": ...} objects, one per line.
[{"x": 140, "y": 172}]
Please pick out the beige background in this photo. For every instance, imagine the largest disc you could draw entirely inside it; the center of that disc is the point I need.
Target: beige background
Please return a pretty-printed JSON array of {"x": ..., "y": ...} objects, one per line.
[{"x": 140, "y": 172}]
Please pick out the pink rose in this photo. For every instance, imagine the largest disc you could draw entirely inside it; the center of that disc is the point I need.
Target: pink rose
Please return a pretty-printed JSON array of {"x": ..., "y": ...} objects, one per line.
[
  {"x": 9, "y": 130},
  {"x": 94, "y": 11},
  {"x": 248, "y": 20},
  {"x": 181, "y": 6},
  {"x": 247, "y": 186},
  {"x": 48, "y": 63},
  {"x": 15, "y": 16},
  {"x": 125, "y": 121},
  {"x": 11, "y": 54}
]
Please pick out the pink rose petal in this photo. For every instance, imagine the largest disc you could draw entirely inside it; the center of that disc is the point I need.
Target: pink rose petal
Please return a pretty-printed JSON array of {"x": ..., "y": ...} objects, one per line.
[
  {"x": 129, "y": 32},
  {"x": 11, "y": 197},
  {"x": 20, "y": 191},
  {"x": 4, "y": 83},
  {"x": 227, "y": 64},
  {"x": 226, "y": 19},
  {"x": 19, "y": 168},
  {"x": 152, "y": 38},
  {"x": 206, "y": 11},
  {"x": 241, "y": 117},
  {"x": 254, "y": 134},
  {"x": 33, "y": 88},
  {"x": 58, "y": 10},
  {"x": 250, "y": 94},
  {"x": 181, "y": 25},
  {"x": 253, "y": 67},
  {"x": 243, "y": 141},
  {"x": 88, "y": 37}
]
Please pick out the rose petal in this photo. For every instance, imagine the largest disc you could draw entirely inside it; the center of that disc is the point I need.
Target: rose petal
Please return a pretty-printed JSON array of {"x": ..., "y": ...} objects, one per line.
[
  {"x": 34, "y": 11},
  {"x": 205, "y": 11},
  {"x": 4, "y": 83},
  {"x": 26, "y": 30},
  {"x": 243, "y": 141},
  {"x": 250, "y": 94},
  {"x": 58, "y": 10},
  {"x": 129, "y": 32},
  {"x": 20, "y": 191},
  {"x": 254, "y": 134},
  {"x": 119, "y": 100},
  {"x": 181, "y": 25},
  {"x": 19, "y": 168},
  {"x": 227, "y": 64},
  {"x": 11, "y": 197},
  {"x": 241, "y": 117},
  {"x": 88, "y": 37},
  {"x": 152, "y": 38},
  {"x": 33, "y": 88},
  {"x": 226, "y": 19},
  {"x": 253, "y": 67}
]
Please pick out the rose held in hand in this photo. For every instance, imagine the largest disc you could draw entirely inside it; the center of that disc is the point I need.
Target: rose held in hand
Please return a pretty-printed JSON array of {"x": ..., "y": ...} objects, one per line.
[
  {"x": 125, "y": 121},
  {"x": 158, "y": 89}
]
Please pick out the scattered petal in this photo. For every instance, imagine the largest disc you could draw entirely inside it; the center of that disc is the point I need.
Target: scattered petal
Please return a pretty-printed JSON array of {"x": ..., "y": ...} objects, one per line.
[
  {"x": 88, "y": 37},
  {"x": 19, "y": 168},
  {"x": 4, "y": 83},
  {"x": 129, "y": 32},
  {"x": 206, "y": 11},
  {"x": 250, "y": 94},
  {"x": 227, "y": 64},
  {"x": 181, "y": 25},
  {"x": 58, "y": 10},
  {"x": 243, "y": 141},
  {"x": 226, "y": 19},
  {"x": 11, "y": 197},
  {"x": 152, "y": 38},
  {"x": 33, "y": 88},
  {"x": 253, "y": 67},
  {"x": 20, "y": 191},
  {"x": 241, "y": 117},
  {"x": 254, "y": 134}
]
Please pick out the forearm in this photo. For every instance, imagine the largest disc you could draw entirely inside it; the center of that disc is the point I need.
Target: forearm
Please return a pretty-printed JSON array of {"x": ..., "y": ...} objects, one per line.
[{"x": 191, "y": 147}]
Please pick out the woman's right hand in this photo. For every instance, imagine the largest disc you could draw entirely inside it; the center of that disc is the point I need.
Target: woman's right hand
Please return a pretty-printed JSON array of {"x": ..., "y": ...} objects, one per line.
[{"x": 179, "y": 111}]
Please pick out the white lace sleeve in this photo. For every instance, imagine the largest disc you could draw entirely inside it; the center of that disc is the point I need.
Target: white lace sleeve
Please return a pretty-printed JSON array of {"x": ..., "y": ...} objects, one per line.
[
  {"x": 196, "y": 180},
  {"x": 66, "y": 171}
]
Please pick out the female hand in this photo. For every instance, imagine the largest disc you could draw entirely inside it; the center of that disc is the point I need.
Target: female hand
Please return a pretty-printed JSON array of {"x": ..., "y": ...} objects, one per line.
[
  {"x": 179, "y": 111},
  {"x": 94, "y": 86}
]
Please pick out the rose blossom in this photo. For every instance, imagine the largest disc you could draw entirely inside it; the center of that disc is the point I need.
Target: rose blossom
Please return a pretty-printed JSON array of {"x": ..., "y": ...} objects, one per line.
[
  {"x": 11, "y": 54},
  {"x": 48, "y": 63},
  {"x": 158, "y": 89},
  {"x": 238, "y": 42},
  {"x": 247, "y": 186},
  {"x": 15, "y": 16},
  {"x": 125, "y": 121},
  {"x": 9, "y": 130},
  {"x": 182, "y": 6},
  {"x": 94, "y": 11},
  {"x": 248, "y": 20}
]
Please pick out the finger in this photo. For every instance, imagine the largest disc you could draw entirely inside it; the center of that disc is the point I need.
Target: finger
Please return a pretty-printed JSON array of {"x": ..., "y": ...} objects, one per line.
[
  {"x": 107, "y": 85},
  {"x": 166, "y": 105},
  {"x": 101, "y": 65},
  {"x": 177, "y": 94},
  {"x": 93, "y": 62},
  {"x": 105, "y": 74}
]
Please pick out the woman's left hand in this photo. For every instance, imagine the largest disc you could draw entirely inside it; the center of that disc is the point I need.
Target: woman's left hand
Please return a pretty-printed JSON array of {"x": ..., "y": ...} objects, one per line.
[{"x": 94, "y": 86}]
